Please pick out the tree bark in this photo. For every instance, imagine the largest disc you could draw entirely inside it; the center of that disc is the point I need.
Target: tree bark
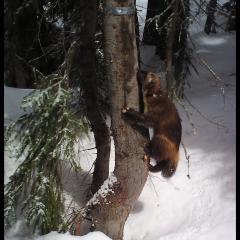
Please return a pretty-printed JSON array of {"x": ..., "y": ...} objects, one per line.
[
  {"x": 182, "y": 58},
  {"x": 150, "y": 33},
  {"x": 82, "y": 72},
  {"x": 130, "y": 169},
  {"x": 230, "y": 7},
  {"x": 139, "y": 75},
  {"x": 102, "y": 139},
  {"x": 170, "y": 47},
  {"x": 210, "y": 22}
]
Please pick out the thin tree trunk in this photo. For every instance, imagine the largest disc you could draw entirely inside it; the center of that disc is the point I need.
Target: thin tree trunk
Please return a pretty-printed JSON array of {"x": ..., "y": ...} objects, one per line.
[
  {"x": 155, "y": 31},
  {"x": 231, "y": 22},
  {"x": 84, "y": 75},
  {"x": 169, "y": 52},
  {"x": 139, "y": 75},
  {"x": 130, "y": 169},
  {"x": 150, "y": 33},
  {"x": 210, "y": 22},
  {"x": 102, "y": 138},
  {"x": 182, "y": 58}
]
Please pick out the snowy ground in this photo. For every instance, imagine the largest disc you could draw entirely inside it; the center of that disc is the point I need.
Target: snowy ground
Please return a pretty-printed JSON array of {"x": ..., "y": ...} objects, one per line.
[
  {"x": 200, "y": 208},
  {"x": 203, "y": 207}
]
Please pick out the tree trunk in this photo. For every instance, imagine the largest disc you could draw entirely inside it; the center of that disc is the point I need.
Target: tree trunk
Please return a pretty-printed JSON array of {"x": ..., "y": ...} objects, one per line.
[
  {"x": 130, "y": 169},
  {"x": 82, "y": 55},
  {"x": 102, "y": 139},
  {"x": 182, "y": 58},
  {"x": 170, "y": 47},
  {"x": 28, "y": 35},
  {"x": 230, "y": 7},
  {"x": 210, "y": 22},
  {"x": 150, "y": 33},
  {"x": 139, "y": 75},
  {"x": 155, "y": 31}
]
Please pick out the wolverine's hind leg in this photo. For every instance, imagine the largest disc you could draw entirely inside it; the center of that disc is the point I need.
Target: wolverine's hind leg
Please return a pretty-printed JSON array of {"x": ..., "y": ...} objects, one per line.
[{"x": 165, "y": 153}]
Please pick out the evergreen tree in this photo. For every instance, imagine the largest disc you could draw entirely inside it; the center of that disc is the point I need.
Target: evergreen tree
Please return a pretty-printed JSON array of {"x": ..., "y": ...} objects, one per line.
[
  {"x": 166, "y": 27},
  {"x": 54, "y": 108},
  {"x": 47, "y": 133}
]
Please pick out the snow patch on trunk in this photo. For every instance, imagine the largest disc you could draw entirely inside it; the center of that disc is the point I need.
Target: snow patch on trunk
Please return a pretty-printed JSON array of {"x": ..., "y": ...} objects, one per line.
[{"x": 102, "y": 193}]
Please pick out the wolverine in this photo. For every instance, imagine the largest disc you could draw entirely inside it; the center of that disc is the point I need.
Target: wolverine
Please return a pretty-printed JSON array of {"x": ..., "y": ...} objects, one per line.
[{"x": 161, "y": 115}]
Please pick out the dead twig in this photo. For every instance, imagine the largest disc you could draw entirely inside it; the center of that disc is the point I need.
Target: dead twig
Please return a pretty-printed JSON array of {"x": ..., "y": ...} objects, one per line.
[
  {"x": 201, "y": 114},
  {"x": 194, "y": 130},
  {"x": 215, "y": 77},
  {"x": 187, "y": 157}
]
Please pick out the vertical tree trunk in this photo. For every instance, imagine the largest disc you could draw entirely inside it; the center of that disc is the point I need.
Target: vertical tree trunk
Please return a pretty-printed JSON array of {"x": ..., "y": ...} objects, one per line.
[
  {"x": 182, "y": 58},
  {"x": 230, "y": 6},
  {"x": 130, "y": 169},
  {"x": 210, "y": 22},
  {"x": 101, "y": 167},
  {"x": 139, "y": 75},
  {"x": 82, "y": 55},
  {"x": 150, "y": 33},
  {"x": 20, "y": 24},
  {"x": 170, "y": 44}
]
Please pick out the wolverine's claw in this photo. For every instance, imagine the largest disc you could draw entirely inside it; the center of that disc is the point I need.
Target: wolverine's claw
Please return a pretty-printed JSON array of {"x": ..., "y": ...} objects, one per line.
[
  {"x": 125, "y": 109},
  {"x": 146, "y": 157}
]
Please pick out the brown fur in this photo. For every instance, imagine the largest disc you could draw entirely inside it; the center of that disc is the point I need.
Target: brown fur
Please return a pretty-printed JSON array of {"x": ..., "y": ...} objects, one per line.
[{"x": 161, "y": 115}]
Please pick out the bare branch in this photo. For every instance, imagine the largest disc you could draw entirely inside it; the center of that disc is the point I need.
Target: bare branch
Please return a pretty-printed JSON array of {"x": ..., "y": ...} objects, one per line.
[
  {"x": 187, "y": 157},
  {"x": 194, "y": 130},
  {"x": 200, "y": 113}
]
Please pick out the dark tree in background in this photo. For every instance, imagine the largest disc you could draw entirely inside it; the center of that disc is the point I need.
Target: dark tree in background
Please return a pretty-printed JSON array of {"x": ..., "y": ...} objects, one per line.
[
  {"x": 230, "y": 8},
  {"x": 30, "y": 40},
  {"x": 58, "y": 38},
  {"x": 166, "y": 27},
  {"x": 153, "y": 35},
  {"x": 182, "y": 50},
  {"x": 210, "y": 22},
  {"x": 81, "y": 64}
]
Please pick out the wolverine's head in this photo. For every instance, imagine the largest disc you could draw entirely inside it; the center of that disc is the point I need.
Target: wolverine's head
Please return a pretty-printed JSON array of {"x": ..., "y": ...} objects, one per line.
[{"x": 151, "y": 83}]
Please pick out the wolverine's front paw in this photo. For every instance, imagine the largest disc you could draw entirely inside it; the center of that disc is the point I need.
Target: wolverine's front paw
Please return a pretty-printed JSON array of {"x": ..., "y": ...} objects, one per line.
[
  {"x": 125, "y": 109},
  {"x": 146, "y": 157}
]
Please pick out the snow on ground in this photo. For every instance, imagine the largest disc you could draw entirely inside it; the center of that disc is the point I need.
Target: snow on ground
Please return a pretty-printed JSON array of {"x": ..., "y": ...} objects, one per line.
[
  {"x": 63, "y": 236},
  {"x": 12, "y": 101},
  {"x": 203, "y": 207},
  {"x": 67, "y": 236}
]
